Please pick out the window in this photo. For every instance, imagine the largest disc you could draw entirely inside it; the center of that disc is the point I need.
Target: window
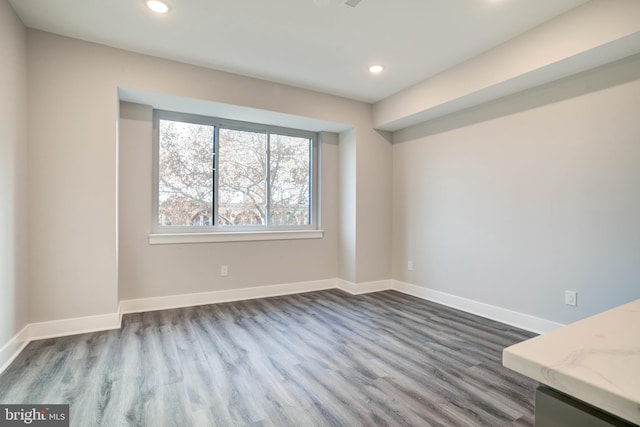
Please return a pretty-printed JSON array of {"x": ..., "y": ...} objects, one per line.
[{"x": 219, "y": 175}]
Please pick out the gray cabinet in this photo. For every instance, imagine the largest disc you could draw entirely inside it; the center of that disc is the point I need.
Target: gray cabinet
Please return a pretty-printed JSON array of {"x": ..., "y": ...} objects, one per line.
[{"x": 554, "y": 409}]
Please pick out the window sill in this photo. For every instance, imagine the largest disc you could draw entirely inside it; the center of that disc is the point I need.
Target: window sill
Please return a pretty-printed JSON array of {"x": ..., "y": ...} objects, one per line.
[{"x": 233, "y": 236}]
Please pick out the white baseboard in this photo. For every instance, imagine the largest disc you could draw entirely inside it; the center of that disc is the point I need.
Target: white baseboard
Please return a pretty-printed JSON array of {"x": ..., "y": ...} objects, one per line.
[
  {"x": 52, "y": 329},
  {"x": 364, "y": 287},
  {"x": 503, "y": 315},
  {"x": 80, "y": 325},
  {"x": 58, "y": 328},
  {"x": 73, "y": 326},
  {"x": 12, "y": 349},
  {"x": 203, "y": 298}
]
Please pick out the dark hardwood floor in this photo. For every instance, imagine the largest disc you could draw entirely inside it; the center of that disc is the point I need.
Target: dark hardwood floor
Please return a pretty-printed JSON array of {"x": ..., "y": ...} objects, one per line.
[{"x": 317, "y": 359}]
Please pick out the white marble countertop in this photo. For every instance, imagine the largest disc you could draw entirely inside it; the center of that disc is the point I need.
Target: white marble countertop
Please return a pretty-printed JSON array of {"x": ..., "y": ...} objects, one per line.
[{"x": 596, "y": 360}]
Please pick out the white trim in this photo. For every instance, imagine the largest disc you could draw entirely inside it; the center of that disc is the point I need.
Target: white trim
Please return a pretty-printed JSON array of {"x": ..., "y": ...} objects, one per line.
[
  {"x": 233, "y": 236},
  {"x": 364, "y": 287},
  {"x": 58, "y": 328},
  {"x": 13, "y": 348},
  {"x": 503, "y": 315},
  {"x": 203, "y": 298},
  {"x": 74, "y": 326}
]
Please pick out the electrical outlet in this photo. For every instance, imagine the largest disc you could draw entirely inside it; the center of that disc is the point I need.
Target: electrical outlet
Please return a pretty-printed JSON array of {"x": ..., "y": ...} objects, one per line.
[
  {"x": 410, "y": 265},
  {"x": 571, "y": 298},
  {"x": 224, "y": 270}
]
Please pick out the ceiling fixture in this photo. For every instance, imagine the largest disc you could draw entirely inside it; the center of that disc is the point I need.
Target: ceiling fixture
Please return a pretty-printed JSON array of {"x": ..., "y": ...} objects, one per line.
[
  {"x": 157, "y": 6},
  {"x": 325, "y": 3},
  {"x": 376, "y": 69}
]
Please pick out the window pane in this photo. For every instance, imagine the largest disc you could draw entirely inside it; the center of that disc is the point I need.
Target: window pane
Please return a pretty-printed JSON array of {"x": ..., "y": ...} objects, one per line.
[
  {"x": 185, "y": 181},
  {"x": 241, "y": 179},
  {"x": 290, "y": 178}
]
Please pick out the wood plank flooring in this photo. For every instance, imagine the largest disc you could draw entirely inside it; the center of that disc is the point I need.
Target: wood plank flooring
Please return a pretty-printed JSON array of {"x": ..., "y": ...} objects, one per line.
[{"x": 316, "y": 359}]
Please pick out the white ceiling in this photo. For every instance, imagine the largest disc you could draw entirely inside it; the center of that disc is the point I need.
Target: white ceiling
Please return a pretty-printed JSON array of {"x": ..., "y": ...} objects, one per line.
[{"x": 298, "y": 43}]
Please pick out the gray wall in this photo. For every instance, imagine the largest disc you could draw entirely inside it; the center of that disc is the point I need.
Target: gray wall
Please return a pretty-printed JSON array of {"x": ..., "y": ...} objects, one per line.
[
  {"x": 515, "y": 202},
  {"x": 158, "y": 270},
  {"x": 13, "y": 175},
  {"x": 73, "y": 158},
  {"x": 347, "y": 203}
]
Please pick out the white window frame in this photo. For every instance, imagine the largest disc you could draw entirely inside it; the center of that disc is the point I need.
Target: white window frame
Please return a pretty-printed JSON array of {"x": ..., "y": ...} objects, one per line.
[{"x": 217, "y": 233}]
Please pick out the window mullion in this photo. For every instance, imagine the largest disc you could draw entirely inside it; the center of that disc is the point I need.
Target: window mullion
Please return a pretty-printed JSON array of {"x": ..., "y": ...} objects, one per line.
[
  {"x": 216, "y": 175},
  {"x": 268, "y": 181}
]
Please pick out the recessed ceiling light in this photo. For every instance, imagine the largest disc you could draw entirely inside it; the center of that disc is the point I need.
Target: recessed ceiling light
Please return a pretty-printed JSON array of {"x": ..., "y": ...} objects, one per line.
[
  {"x": 157, "y": 6},
  {"x": 376, "y": 69}
]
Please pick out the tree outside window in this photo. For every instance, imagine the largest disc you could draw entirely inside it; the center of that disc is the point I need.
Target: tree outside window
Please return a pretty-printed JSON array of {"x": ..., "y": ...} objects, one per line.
[{"x": 216, "y": 175}]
